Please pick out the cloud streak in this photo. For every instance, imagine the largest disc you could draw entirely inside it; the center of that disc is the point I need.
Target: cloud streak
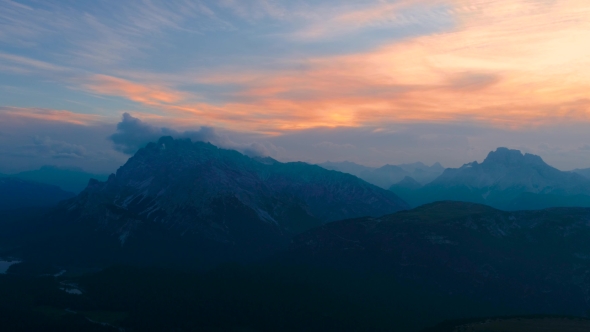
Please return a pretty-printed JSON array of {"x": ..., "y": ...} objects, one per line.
[
  {"x": 141, "y": 93},
  {"x": 345, "y": 19},
  {"x": 55, "y": 149},
  {"x": 276, "y": 68},
  {"x": 48, "y": 115},
  {"x": 505, "y": 63}
]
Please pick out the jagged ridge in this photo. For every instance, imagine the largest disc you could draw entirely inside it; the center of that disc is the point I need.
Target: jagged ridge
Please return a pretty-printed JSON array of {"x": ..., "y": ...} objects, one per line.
[
  {"x": 215, "y": 203},
  {"x": 506, "y": 179}
]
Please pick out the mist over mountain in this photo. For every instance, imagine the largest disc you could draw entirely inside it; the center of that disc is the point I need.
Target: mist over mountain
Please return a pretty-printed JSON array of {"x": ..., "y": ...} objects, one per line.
[
  {"x": 506, "y": 179},
  {"x": 176, "y": 200},
  {"x": 388, "y": 175},
  {"x": 69, "y": 179},
  {"x": 17, "y": 193}
]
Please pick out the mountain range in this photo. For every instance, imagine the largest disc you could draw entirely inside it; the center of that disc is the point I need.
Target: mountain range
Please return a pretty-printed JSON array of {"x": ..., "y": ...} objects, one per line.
[
  {"x": 331, "y": 251},
  {"x": 506, "y": 179},
  {"x": 388, "y": 175},
  {"x": 69, "y": 179},
  {"x": 181, "y": 201}
]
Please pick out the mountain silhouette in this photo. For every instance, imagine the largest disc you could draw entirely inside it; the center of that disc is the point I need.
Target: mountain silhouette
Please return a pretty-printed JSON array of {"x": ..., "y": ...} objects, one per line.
[
  {"x": 69, "y": 179},
  {"x": 388, "y": 175},
  {"x": 506, "y": 179},
  {"x": 408, "y": 183},
  {"x": 177, "y": 201}
]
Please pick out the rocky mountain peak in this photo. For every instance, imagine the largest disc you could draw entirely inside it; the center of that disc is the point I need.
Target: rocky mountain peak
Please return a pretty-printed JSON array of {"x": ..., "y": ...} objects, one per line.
[
  {"x": 408, "y": 183},
  {"x": 510, "y": 157},
  {"x": 219, "y": 199},
  {"x": 437, "y": 166},
  {"x": 506, "y": 179}
]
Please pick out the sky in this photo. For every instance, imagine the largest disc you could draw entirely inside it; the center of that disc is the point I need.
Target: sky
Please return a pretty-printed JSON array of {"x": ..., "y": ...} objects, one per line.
[{"x": 86, "y": 83}]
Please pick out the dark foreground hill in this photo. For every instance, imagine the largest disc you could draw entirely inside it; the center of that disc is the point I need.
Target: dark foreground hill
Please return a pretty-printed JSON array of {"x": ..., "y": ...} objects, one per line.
[
  {"x": 254, "y": 298},
  {"x": 529, "y": 261},
  {"x": 18, "y": 193},
  {"x": 402, "y": 272},
  {"x": 179, "y": 202},
  {"x": 507, "y": 180},
  {"x": 536, "y": 323}
]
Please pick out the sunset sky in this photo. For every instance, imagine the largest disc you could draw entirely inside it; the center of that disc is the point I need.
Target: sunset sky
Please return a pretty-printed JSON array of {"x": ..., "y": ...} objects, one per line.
[{"x": 85, "y": 83}]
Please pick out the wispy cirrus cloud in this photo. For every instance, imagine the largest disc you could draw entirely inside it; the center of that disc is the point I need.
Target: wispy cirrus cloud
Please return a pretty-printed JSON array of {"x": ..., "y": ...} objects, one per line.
[
  {"x": 508, "y": 63},
  {"x": 147, "y": 94},
  {"x": 331, "y": 21},
  {"x": 30, "y": 65},
  {"x": 505, "y": 63},
  {"x": 279, "y": 68},
  {"x": 101, "y": 33},
  {"x": 7, "y": 112},
  {"x": 254, "y": 10},
  {"x": 54, "y": 149}
]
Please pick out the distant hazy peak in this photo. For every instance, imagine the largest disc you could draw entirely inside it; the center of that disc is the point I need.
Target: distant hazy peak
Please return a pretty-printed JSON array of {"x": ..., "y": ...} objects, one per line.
[
  {"x": 265, "y": 160},
  {"x": 389, "y": 167},
  {"x": 510, "y": 157},
  {"x": 70, "y": 179},
  {"x": 346, "y": 162},
  {"x": 437, "y": 166},
  {"x": 61, "y": 168},
  {"x": 408, "y": 182},
  {"x": 412, "y": 166},
  {"x": 417, "y": 164}
]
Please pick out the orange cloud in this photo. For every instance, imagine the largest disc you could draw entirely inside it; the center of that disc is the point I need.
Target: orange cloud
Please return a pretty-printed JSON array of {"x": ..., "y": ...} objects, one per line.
[
  {"x": 342, "y": 19},
  {"x": 141, "y": 93},
  {"x": 50, "y": 115},
  {"x": 510, "y": 63}
]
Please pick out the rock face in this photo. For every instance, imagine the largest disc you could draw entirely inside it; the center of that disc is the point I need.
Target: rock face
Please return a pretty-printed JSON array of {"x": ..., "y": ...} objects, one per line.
[
  {"x": 506, "y": 179},
  {"x": 17, "y": 193},
  {"x": 506, "y": 169},
  {"x": 531, "y": 261},
  {"x": 217, "y": 204}
]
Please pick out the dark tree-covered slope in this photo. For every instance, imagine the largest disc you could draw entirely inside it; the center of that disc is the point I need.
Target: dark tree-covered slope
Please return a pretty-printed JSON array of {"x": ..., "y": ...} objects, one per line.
[
  {"x": 18, "y": 193},
  {"x": 533, "y": 261}
]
